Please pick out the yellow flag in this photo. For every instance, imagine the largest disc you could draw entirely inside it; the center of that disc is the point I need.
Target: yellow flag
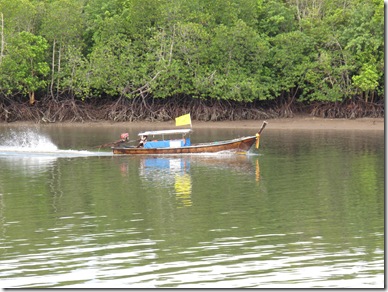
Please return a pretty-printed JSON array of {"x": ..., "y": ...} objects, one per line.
[{"x": 183, "y": 120}]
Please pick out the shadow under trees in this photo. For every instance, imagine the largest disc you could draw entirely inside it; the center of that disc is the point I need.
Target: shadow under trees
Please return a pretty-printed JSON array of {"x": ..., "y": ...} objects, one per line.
[{"x": 150, "y": 109}]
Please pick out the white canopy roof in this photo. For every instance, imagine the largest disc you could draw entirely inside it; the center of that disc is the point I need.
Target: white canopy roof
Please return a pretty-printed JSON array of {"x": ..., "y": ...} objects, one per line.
[{"x": 164, "y": 132}]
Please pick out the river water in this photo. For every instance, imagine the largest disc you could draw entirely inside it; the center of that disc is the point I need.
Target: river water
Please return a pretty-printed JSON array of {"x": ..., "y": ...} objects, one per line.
[{"x": 306, "y": 211}]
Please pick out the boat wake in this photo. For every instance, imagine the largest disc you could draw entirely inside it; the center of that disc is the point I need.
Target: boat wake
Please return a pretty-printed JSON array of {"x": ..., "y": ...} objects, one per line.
[{"x": 32, "y": 144}]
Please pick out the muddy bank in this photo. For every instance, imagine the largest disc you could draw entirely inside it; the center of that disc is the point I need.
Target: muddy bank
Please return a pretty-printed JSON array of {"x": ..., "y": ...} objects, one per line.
[{"x": 295, "y": 123}]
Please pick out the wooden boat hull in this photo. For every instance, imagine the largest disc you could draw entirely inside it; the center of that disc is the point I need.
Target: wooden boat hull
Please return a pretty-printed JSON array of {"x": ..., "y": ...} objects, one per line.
[{"x": 235, "y": 145}]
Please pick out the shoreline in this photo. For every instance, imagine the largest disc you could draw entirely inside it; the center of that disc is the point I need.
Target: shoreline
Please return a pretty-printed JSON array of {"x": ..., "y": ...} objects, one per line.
[
  {"x": 296, "y": 123},
  {"x": 301, "y": 123}
]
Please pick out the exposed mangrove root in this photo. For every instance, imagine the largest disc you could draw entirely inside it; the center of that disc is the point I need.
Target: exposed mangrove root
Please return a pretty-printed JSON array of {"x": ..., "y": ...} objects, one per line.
[
  {"x": 148, "y": 109},
  {"x": 349, "y": 110}
]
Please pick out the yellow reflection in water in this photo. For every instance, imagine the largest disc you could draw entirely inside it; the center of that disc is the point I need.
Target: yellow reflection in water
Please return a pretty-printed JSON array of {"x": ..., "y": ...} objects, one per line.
[{"x": 183, "y": 189}]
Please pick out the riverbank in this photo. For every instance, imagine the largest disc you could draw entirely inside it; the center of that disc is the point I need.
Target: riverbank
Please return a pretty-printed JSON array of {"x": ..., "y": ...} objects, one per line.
[
  {"x": 301, "y": 123},
  {"x": 296, "y": 123}
]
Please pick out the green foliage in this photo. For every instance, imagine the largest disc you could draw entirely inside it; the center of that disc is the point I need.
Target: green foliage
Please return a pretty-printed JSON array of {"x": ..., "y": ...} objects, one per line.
[
  {"x": 240, "y": 50},
  {"x": 365, "y": 43},
  {"x": 110, "y": 64},
  {"x": 62, "y": 21},
  {"x": 274, "y": 17},
  {"x": 290, "y": 60},
  {"x": 23, "y": 68},
  {"x": 237, "y": 55},
  {"x": 20, "y": 15},
  {"x": 368, "y": 78}
]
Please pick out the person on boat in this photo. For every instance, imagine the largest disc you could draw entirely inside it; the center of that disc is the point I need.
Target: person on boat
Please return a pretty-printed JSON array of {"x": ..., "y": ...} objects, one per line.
[
  {"x": 124, "y": 137},
  {"x": 142, "y": 141}
]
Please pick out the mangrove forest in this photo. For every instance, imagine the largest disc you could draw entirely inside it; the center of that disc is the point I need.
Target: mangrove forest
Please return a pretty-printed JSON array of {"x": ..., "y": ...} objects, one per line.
[{"x": 130, "y": 60}]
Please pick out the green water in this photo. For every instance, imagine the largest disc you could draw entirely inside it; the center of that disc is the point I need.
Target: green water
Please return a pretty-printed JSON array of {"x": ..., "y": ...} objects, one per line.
[{"x": 308, "y": 211}]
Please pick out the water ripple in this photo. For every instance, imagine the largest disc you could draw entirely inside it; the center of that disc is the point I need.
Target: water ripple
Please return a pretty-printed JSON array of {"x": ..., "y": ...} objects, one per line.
[{"x": 142, "y": 263}]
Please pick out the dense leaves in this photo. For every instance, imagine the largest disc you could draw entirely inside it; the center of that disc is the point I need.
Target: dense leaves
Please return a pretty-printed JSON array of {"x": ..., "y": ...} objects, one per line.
[
  {"x": 24, "y": 67},
  {"x": 274, "y": 54}
]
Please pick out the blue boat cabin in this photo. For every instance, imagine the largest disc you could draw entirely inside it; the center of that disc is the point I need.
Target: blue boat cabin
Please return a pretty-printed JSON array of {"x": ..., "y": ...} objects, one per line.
[{"x": 151, "y": 142}]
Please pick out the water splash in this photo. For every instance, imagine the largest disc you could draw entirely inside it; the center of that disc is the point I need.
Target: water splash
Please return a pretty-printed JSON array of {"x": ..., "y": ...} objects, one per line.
[
  {"x": 27, "y": 141},
  {"x": 32, "y": 144}
]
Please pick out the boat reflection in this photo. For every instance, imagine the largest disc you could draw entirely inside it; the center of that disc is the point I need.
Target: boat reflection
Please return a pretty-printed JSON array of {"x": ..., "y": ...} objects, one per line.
[
  {"x": 243, "y": 164},
  {"x": 174, "y": 173},
  {"x": 257, "y": 170},
  {"x": 168, "y": 172}
]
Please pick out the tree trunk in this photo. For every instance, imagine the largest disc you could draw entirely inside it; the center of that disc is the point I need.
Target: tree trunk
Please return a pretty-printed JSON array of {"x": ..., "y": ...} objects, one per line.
[
  {"x": 2, "y": 38},
  {"x": 52, "y": 70},
  {"x": 31, "y": 95},
  {"x": 59, "y": 67}
]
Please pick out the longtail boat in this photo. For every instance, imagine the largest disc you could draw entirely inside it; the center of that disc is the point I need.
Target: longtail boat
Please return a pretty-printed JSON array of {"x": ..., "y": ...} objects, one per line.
[{"x": 182, "y": 144}]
